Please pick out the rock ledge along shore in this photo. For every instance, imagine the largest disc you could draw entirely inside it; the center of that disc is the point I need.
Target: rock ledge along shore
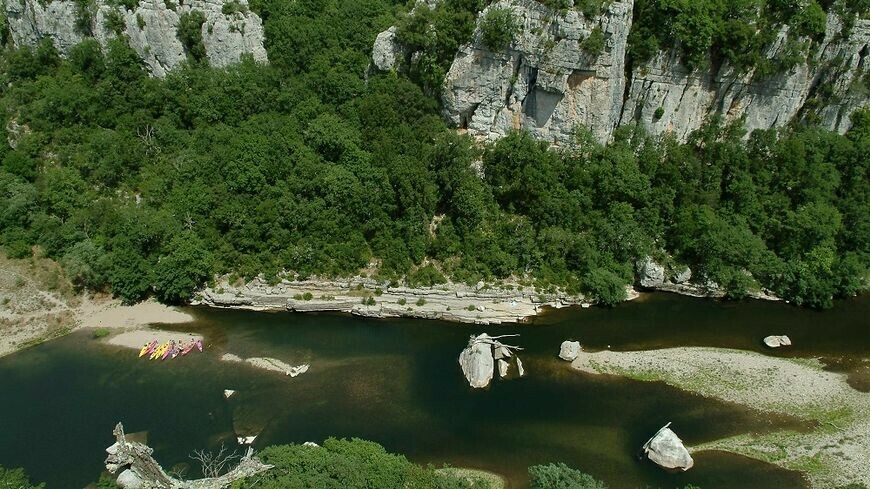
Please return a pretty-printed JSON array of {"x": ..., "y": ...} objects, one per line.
[{"x": 367, "y": 297}]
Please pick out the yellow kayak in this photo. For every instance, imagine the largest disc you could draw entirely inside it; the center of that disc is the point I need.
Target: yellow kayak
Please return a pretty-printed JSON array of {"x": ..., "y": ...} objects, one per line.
[
  {"x": 147, "y": 348},
  {"x": 160, "y": 351}
]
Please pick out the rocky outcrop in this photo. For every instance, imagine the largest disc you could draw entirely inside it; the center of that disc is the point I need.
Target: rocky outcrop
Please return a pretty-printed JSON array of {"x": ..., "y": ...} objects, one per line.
[
  {"x": 363, "y": 296},
  {"x": 666, "y": 97},
  {"x": 569, "y": 350},
  {"x": 547, "y": 81},
  {"x": 482, "y": 354},
  {"x": 552, "y": 80},
  {"x": 677, "y": 279},
  {"x": 777, "y": 341},
  {"x": 667, "y": 450},
  {"x": 477, "y": 361},
  {"x": 151, "y": 28}
]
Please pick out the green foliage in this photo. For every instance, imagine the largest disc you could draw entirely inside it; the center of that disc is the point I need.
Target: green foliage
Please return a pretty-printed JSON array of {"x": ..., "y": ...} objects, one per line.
[
  {"x": 427, "y": 276},
  {"x": 232, "y": 7},
  {"x": 190, "y": 34},
  {"x": 560, "y": 476},
  {"x": 140, "y": 21},
  {"x": 437, "y": 34},
  {"x": 421, "y": 302},
  {"x": 16, "y": 479},
  {"x": 185, "y": 267},
  {"x": 144, "y": 186},
  {"x": 101, "y": 333},
  {"x": 498, "y": 28},
  {"x": 713, "y": 29},
  {"x": 594, "y": 44},
  {"x": 114, "y": 22},
  {"x": 84, "y": 16},
  {"x": 346, "y": 464}
]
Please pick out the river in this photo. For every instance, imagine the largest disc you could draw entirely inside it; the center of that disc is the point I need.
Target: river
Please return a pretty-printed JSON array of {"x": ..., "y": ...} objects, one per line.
[{"x": 398, "y": 382}]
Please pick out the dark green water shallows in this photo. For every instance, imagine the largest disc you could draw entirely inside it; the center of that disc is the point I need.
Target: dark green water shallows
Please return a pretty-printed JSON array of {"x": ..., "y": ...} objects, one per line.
[{"x": 398, "y": 382}]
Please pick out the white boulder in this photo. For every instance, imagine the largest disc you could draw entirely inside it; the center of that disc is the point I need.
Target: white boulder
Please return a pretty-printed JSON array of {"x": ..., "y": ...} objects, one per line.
[{"x": 570, "y": 350}]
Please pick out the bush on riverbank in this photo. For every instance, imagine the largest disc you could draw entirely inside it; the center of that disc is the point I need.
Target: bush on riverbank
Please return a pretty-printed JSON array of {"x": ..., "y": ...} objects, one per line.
[
  {"x": 347, "y": 464},
  {"x": 16, "y": 479}
]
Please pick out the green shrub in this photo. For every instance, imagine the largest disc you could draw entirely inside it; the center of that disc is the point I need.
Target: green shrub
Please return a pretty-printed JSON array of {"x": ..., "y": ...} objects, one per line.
[
  {"x": 659, "y": 113},
  {"x": 16, "y": 479},
  {"x": 234, "y": 6},
  {"x": 307, "y": 296},
  {"x": 347, "y": 464},
  {"x": 190, "y": 34},
  {"x": 114, "y": 22},
  {"x": 560, "y": 476},
  {"x": 421, "y": 302},
  {"x": 101, "y": 332},
  {"x": 140, "y": 21},
  {"x": 594, "y": 44},
  {"x": 84, "y": 16},
  {"x": 402, "y": 301},
  {"x": 498, "y": 28},
  {"x": 427, "y": 276}
]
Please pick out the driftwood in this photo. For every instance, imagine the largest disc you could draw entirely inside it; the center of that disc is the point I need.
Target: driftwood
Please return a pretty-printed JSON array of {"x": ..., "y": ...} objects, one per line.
[{"x": 140, "y": 470}]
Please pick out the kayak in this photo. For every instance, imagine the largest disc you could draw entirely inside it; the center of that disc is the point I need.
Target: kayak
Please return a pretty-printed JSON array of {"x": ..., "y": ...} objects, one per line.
[
  {"x": 147, "y": 348},
  {"x": 199, "y": 345},
  {"x": 176, "y": 349},
  {"x": 186, "y": 349},
  {"x": 159, "y": 351},
  {"x": 168, "y": 351}
]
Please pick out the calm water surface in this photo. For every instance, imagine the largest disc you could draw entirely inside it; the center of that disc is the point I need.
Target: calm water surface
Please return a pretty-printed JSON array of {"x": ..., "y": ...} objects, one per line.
[{"x": 397, "y": 382}]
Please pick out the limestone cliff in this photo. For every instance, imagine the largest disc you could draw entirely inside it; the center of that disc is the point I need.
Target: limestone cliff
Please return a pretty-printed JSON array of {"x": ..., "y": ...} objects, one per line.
[
  {"x": 151, "y": 28},
  {"x": 551, "y": 80}
]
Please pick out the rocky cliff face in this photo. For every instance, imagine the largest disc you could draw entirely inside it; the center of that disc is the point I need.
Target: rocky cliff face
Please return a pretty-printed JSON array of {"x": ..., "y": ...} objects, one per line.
[
  {"x": 152, "y": 29},
  {"x": 546, "y": 82},
  {"x": 551, "y": 81}
]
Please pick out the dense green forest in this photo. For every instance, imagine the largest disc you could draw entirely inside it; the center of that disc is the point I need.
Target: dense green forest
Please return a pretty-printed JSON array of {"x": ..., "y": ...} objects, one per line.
[{"x": 144, "y": 186}]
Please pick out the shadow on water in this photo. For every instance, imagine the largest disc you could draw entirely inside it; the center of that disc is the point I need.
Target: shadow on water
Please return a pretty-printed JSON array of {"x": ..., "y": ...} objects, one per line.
[{"x": 397, "y": 382}]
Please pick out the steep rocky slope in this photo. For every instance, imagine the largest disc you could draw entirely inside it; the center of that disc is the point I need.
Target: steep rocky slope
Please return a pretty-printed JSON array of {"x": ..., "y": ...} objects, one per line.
[
  {"x": 549, "y": 81},
  {"x": 152, "y": 28}
]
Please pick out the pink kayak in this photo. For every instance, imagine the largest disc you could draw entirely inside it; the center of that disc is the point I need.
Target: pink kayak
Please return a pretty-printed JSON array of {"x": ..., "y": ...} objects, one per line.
[
  {"x": 199, "y": 345},
  {"x": 168, "y": 351},
  {"x": 190, "y": 346}
]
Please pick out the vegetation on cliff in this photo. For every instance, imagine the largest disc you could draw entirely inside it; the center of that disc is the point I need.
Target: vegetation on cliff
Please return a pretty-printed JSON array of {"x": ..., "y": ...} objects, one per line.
[{"x": 144, "y": 186}]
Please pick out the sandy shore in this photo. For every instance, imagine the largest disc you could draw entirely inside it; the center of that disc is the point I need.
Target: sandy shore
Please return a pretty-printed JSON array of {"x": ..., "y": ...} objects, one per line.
[
  {"x": 109, "y": 313},
  {"x": 137, "y": 338},
  {"x": 833, "y": 454}
]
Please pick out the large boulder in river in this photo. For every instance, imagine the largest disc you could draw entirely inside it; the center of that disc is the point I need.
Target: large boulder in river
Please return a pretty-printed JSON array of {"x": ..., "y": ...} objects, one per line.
[
  {"x": 649, "y": 273},
  {"x": 777, "y": 341},
  {"x": 477, "y": 361},
  {"x": 570, "y": 350},
  {"x": 667, "y": 450}
]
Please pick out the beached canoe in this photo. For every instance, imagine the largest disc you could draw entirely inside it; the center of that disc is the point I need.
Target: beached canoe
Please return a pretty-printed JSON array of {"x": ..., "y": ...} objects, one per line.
[
  {"x": 148, "y": 348},
  {"x": 158, "y": 353},
  {"x": 168, "y": 351},
  {"x": 188, "y": 347},
  {"x": 199, "y": 345}
]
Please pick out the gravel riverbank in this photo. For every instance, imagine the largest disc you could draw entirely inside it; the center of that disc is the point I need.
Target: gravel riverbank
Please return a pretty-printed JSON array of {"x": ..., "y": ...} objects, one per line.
[{"x": 831, "y": 455}]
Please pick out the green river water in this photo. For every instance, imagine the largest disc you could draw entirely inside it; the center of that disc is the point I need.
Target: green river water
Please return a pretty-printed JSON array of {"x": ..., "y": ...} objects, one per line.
[{"x": 398, "y": 382}]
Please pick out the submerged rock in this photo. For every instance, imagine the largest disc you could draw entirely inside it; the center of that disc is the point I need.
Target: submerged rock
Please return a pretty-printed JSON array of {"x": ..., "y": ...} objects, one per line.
[
  {"x": 570, "y": 350},
  {"x": 477, "y": 360},
  {"x": 667, "y": 450},
  {"x": 228, "y": 393},
  {"x": 777, "y": 341}
]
